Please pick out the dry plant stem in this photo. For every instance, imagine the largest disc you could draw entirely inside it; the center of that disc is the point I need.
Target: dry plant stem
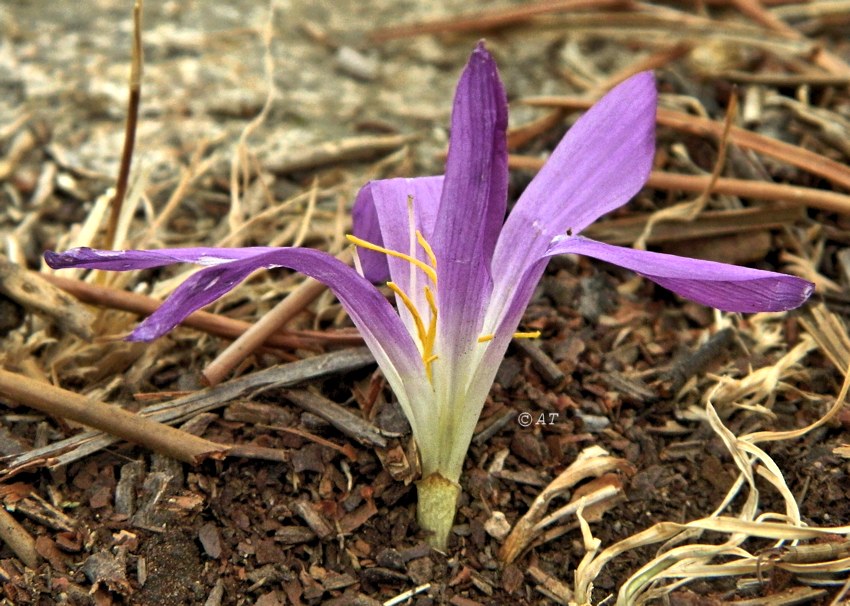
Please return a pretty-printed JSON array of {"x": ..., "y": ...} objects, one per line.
[
  {"x": 488, "y": 20},
  {"x": 626, "y": 230},
  {"x": 655, "y": 60},
  {"x": 18, "y": 539},
  {"x": 270, "y": 323},
  {"x": 822, "y": 57},
  {"x": 214, "y": 324},
  {"x": 761, "y": 190},
  {"x": 794, "y": 155},
  {"x": 436, "y": 508},
  {"x": 778, "y": 80},
  {"x": 130, "y": 127},
  {"x": 111, "y": 419}
]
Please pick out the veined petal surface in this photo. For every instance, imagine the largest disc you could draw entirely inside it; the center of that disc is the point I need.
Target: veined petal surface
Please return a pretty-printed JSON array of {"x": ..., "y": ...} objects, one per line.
[
  {"x": 602, "y": 161},
  {"x": 471, "y": 211},
  {"x": 726, "y": 287}
]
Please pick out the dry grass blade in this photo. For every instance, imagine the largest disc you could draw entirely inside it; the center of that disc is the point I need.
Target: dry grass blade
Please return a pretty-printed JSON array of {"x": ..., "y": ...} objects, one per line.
[
  {"x": 680, "y": 565},
  {"x": 759, "y": 386},
  {"x": 591, "y": 462},
  {"x": 690, "y": 210},
  {"x": 489, "y": 20},
  {"x": 32, "y": 292}
]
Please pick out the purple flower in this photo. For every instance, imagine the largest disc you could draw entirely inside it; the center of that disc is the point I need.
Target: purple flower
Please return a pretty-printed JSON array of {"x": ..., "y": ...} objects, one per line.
[{"x": 461, "y": 274}]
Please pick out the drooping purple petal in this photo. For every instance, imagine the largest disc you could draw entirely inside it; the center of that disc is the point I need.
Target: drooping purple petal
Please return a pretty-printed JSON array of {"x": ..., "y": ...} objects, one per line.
[
  {"x": 473, "y": 203},
  {"x": 380, "y": 217},
  {"x": 125, "y": 260},
  {"x": 602, "y": 161},
  {"x": 376, "y": 319},
  {"x": 726, "y": 287}
]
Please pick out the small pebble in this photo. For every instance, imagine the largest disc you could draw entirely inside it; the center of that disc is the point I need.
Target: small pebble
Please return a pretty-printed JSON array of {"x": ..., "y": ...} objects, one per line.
[
  {"x": 593, "y": 423},
  {"x": 356, "y": 64},
  {"x": 497, "y": 526}
]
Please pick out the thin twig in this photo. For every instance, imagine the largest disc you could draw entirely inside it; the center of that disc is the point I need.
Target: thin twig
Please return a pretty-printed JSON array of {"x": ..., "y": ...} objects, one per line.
[
  {"x": 214, "y": 324},
  {"x": 129, "y": 129},
  {"x": 343, "y": 419},
  {"x": 187, "y": 407},
  {"x": 18, "y": 539},
  {"x": 821, "y": 57},
  {"x": 690, "y": 210},
  {"x": 759, "y": 190},
  {"x": 794, "y": 155},
  {"x": 111, "y": 419}
]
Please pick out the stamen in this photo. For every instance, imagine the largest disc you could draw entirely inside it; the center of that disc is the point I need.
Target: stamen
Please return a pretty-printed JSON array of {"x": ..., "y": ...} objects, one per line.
[
  {"x": 535, "y": 334},
  {"x": 427, "y": 248},
  {"x": 431, "y": 335},
  {"x": 517, "y": 335},
  {"x": 420, "y": 326},
  {"x": 429, "y": 271}
]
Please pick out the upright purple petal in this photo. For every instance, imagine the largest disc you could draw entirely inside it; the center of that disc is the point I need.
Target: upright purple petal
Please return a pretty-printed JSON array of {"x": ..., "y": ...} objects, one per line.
[
  {"x": 473, "y": 204},
  {"x": 380, "y": 216},
  {"x": 602, "y": 161},
  {"x": 726, "y": 287}
]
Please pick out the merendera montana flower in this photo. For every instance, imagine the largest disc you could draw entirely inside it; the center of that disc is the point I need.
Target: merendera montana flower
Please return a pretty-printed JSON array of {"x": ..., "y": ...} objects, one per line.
[{"x": 461, "y": 274}]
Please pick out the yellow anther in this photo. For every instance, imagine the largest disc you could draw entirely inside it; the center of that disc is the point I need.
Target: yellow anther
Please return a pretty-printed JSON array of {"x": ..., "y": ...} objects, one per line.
[
  {"x": 527, "y": 335},
  {"x": 429, "y": 271},
  {"x": 420, "y": 326},
  {"x": 431, "y": 358},
  {"x": 427, "y": 248},
  {"x": 517, "y": 335}
]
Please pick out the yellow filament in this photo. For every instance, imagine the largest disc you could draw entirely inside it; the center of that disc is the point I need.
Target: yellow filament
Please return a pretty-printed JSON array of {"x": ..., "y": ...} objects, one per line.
[
  {"x": 427, "y": 248},
  {"x": 485, "y": 338},
  {"x": 432, "y": 325},
  {"x": 420, "y": 326},
  {"x": 426, "y": 337},
  {"x": 429, "y": 271}
]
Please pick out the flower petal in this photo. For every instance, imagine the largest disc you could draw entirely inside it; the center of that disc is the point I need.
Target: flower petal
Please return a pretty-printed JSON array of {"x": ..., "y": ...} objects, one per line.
[
  {"x": 602, "y": 161},
  {"x": 380, "y": 216},
  {"x": 726, "y": 287},
  {"x": 473, "y": 204},
  {"x": 377, "y": 321},
  {"x": 125, "y": 260}
]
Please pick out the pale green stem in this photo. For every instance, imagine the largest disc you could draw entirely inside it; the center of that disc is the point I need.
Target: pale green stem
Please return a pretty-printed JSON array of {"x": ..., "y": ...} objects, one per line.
[{"x": 438, "y": 498}]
